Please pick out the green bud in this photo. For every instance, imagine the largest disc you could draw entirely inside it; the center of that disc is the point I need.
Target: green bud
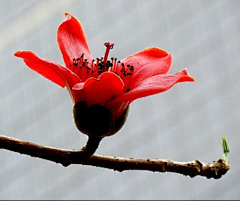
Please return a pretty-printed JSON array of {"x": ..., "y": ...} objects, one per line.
[{"x": 226, "y": 150}]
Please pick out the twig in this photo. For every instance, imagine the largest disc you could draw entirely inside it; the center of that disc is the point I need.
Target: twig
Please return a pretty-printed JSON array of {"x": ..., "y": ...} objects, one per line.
[{"x": 67, "y": 157}]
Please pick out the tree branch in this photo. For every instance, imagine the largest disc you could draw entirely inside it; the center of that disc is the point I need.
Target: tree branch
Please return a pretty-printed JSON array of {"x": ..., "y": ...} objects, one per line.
[{"x": 67, "y": 157}]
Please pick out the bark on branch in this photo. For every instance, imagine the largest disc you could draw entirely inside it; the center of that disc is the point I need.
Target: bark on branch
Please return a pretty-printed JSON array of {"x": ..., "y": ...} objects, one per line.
[{"x": 67, "y": 157}]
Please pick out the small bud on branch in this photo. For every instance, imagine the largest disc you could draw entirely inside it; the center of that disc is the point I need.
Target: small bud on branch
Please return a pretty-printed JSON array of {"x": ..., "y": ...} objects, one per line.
[{"x": 226, "y": 150}]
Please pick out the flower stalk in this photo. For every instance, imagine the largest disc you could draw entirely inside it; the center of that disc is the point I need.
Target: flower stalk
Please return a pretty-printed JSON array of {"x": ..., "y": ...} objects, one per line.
[{"x": 91, "y": 145}]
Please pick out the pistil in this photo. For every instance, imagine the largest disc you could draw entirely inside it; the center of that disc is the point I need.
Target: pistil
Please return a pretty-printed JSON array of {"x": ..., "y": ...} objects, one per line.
[{"x": 108, "y": 46}]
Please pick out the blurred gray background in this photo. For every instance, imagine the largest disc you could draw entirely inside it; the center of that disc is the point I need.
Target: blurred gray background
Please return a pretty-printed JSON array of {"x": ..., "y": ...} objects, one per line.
[{"x": 185, "y": 123}]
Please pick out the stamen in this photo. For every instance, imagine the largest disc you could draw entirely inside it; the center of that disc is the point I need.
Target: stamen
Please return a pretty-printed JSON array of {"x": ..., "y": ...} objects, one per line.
[{"x": 85, "y": 69}]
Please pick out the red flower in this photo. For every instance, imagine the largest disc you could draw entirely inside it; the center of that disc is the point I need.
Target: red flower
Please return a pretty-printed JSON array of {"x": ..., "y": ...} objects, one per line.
[{"x": 102, "y": 89}]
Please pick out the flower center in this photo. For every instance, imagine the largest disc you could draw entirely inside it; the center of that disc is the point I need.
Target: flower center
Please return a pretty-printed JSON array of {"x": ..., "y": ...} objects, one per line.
[{"x": 85, "y": 69}]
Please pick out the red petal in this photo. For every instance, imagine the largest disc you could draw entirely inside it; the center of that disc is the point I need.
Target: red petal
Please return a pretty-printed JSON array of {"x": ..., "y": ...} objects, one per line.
[
  {"x": 99, "y": 91},
  {"x": 49, "y": 69},
  {"x": 148, "y": 63},
  {"x": 154, "y": 85},
  {"x": 72, "y": 41}
]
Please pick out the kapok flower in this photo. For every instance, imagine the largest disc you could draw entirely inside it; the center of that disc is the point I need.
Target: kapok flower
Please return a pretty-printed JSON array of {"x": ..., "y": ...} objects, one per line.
[{"x": 102, "y": 89}]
